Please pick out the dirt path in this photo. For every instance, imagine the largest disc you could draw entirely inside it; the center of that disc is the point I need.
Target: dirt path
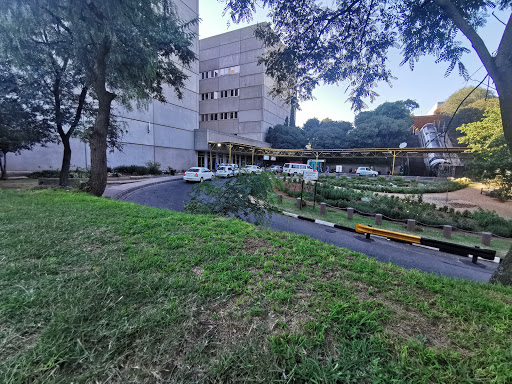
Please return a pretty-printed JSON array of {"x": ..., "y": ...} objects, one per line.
[{"x": 470, "y": 198}]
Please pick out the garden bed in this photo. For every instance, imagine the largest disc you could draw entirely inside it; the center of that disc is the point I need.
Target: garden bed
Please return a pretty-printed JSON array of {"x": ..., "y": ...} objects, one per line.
[{"x": 409, "y": 207}]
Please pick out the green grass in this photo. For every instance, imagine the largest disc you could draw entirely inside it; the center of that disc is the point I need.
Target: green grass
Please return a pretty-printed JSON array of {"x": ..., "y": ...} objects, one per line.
[
  {"x": 93, "y": 290},
  {"x": 340, "y": 217}
]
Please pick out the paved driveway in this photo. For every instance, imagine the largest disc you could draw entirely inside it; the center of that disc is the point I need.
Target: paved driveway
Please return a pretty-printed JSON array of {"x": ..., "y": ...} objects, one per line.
[{"x": 173, "y": 195}]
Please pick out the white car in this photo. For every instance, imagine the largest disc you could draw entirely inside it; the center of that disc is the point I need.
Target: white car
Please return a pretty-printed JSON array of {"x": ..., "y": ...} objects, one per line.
[
  {"x": 236, "y": 168},
  {"x": 226, "y": 171},
  {"x": 365, "y": 171},
  {"x": 294, "y": 169},
  {"x": 252, "y": 169},
  {"x": 198, "y": 174},
  {"x": 276, "y": 169}
]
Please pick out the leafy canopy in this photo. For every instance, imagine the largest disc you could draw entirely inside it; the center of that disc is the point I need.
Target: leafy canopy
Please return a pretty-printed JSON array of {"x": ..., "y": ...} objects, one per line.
[
  {"x": 493, "y": 160},
  {"x": 244, "y": 196},
  {"x": 349, "y": 40},
  {"x": 284, "y": 136}
]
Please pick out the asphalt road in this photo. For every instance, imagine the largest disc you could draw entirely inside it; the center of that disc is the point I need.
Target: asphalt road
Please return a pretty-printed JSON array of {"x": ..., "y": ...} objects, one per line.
[{"x": 173, "y": 195}]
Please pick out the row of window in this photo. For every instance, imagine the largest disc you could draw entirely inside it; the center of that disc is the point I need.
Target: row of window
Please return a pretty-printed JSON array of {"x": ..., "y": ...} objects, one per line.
[
  {"x": 223, "y": 94},
  {"x": 220, "y": 72},
  {"x": 219, "y": 116}
]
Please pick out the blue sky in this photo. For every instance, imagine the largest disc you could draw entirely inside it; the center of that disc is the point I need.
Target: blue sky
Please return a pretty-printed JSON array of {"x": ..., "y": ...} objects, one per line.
[{"x": 426, "y": 84}]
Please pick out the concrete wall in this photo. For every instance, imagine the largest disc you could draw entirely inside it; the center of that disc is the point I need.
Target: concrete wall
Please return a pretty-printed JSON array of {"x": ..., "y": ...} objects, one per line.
[
  {"x": 257, "y": 111},
  {"x": 162, "y": 132}
]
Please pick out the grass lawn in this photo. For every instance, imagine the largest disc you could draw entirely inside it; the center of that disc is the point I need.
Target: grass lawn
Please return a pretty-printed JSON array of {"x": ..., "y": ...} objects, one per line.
[
  {"x": 94, "y": 290},
  {"x": 340, "y": 217}
]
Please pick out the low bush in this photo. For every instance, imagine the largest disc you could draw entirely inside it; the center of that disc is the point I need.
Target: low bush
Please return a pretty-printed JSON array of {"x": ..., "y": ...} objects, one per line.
[
  {"x": 393, "y": 185},
  {"x": 55, "y": 173},
  {"x": 151, "y": 168},
  {"x": 410, "y": 207}
]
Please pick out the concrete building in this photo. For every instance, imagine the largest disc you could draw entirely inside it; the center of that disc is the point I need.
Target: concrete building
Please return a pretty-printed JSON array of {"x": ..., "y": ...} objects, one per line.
[
  {"x": 225, "y": 100},
  {"x": 162, "y": 132},
  {"x": 234, "y": 101}
]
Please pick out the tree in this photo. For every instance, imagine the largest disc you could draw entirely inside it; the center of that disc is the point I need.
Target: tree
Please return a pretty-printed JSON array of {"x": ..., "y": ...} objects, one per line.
[
  {"x": 245, "y": 196},
  {"x": 471, "y": 103},
  {"x": 492, "y": 162},
  {"x": 125, "y": 51},
  {"x": 385, "y": 127},
  {"x": 40, "y": 48},
  {"x": 348, "y": 41},
  {"x": 329, "y": 134},
  {"x": 20, "y": 126},
  {"x": 454, "y": 101},
  {"x": 284, "y": 136}
]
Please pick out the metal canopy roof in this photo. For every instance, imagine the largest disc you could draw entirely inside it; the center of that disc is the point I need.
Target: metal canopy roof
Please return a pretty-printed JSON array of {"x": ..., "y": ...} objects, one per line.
[{"x": 336, "y": 153}]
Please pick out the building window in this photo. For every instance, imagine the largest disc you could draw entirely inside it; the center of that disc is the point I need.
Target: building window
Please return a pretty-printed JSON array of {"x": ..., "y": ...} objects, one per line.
[
  {"x": 204, "y": 117},
  {"x": 213, "y": 116},
  {"x": 234, "y": 70},
  {"x": 236, "y": 92}
]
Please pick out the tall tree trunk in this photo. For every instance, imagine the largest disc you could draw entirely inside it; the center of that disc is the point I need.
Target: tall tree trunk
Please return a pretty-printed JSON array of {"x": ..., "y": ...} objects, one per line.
[
  {"x": 505, "y": 95},
  {"x": 3, "y": 168},
  {"x": 98, "y": 140},
  {"x": 98, "y": 143},
  {"x": 66, "y": 161}
]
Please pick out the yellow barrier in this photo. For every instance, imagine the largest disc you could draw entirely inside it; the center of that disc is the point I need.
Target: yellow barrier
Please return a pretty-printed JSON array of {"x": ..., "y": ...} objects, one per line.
[{"x": 390, "y": 234}]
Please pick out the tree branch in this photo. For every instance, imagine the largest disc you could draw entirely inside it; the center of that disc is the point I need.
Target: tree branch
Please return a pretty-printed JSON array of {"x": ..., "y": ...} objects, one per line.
[
  {"x": 78, "y": 113},
  {"x": 476, "y": 41},
  {"x": 505, "y": 49}
]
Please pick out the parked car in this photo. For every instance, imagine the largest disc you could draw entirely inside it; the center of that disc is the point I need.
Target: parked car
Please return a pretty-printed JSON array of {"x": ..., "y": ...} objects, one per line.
[
  {"x": 252, "y": 169},
  {"x": 276, "y": 169},
  {"x": 236, "y": 168},
  {"x": 365, "y": 171},
  {"x": 198, "y": 174},
  {"x": 293, "y": 169},
  {"x": 226, "y": 171}
]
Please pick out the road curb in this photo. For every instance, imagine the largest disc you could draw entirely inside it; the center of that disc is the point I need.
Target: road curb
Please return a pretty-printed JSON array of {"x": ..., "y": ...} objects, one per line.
[
  {"x": 342, "y": 227},
  {"x": 124, "y": 193}
]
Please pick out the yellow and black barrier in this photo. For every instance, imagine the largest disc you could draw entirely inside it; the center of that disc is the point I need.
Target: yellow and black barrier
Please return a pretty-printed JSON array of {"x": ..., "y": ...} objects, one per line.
[
  {"x": 360, "y": 228},
  {"x": 444, "y": 246}
]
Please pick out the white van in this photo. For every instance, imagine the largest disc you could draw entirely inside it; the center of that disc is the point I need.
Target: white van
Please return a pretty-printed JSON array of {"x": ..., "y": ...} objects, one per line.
[{"x": 292, "y": 169}]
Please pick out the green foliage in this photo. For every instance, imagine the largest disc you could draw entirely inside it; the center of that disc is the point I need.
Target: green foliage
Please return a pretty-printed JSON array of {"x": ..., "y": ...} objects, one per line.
[
  {"x": 493, "y": 161},
  {"x": 139, "y": 170},
  {"x": 154, "y": 167},
  {"x": 350, "y": 40},
  {"x": 55, "y": 173},
  {"x": 330, "y": 134},
  {"x": 22, "y": 125},
  {"x": 477, "y": 100},
  {"x": 410, "y": 207},
  {"x": 385, "y": 127},
  {"x": 244, "y": 196},
  {"x": 393, "y": 185},
  {"x": 285, "y": 136}
]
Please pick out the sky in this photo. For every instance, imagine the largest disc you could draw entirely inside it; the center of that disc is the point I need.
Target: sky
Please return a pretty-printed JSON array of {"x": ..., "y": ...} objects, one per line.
[{"x": 426, "y": 85}]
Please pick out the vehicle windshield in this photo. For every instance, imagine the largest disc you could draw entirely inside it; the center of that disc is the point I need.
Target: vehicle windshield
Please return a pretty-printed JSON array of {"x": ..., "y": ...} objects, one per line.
[{"x": 193, "y": 170}]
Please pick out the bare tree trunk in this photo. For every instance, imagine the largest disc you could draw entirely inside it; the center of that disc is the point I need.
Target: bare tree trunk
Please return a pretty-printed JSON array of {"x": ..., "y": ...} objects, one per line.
[
  {"x": 98, "y": 140},
  {"x": 98, "y": 143},
  {"x": 3, "y": 168},
  {"x": 505, "y": 95},
  {"x": 503, "y": 274},
  {"x": 66, "y": 137}
]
